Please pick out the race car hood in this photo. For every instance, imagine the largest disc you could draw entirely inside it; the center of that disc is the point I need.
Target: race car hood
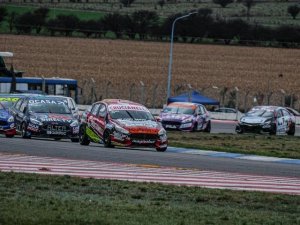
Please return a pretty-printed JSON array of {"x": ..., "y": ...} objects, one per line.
[
  {"x": 4, "y": 114},
  {"x": 175, "y": 116},
  {"x": 133, "y": 126},
  {"x": 254, "y": 119},
  {"x": 53, "y": 117}
]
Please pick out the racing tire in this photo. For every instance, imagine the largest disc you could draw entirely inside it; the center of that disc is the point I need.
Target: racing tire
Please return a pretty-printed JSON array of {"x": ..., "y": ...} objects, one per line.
[
  {"x": 9, "y": 135},
  {"x": 273, "y": 130},
  {"x": 75, "y": 139},
  {"x": 107, "y": 140},
  {"x": 161, "y": 149},
  {"x": 83, "y": 138},
  {"x": 292, "y": 130},
  {"x": 239, "y": 130},
  {"x": 24, "y": 132},
  {"x": 208, "y": 127},
  {"x": 195, "y": 127}
]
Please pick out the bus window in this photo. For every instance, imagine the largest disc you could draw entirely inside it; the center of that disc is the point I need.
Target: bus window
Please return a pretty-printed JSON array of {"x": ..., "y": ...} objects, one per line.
[
  {"x": 22, "y": 87},
  {"x": 50, "y": 89},
  {"x": 59, "y": 89}
]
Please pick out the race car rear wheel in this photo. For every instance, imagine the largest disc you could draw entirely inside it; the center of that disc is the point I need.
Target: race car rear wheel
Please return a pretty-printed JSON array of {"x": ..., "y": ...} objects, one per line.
[
  {"x": 239, "y": 130},
  {"x": 107, "y": 140},
  {"x": 9, "y": 135},
  {"x": 75, "y": 139},
  {"x": 208, "y": 127},
  {"x": 291, "y": 130},
  {"x": 161, "y": 149},
  {"x": 273, "y": 130},
  {"x": 24, "y": 132},
  {"x": 83, "y": 138}
]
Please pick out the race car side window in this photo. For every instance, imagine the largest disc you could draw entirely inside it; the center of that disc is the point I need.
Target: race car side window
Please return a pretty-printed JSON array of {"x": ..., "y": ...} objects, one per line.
[
  {"x": 23, "y": 105},
  {"x": 279, "y": 114},
  {"x": 95, "y": 109},
  {"x": 286, "y": 113},
  {"x": 18, "y": 104},
  {"x": 102, "y": 110}
]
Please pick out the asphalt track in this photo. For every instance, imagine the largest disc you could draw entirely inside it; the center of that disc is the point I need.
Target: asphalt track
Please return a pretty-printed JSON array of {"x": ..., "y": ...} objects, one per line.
[{"x": 96, "y": 152}]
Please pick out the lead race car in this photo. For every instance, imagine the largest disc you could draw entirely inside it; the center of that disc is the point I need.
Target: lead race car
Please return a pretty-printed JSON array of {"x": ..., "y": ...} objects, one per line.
[
  {"x": 118, "y": 122},
  {"x": 44, "y": 116}
]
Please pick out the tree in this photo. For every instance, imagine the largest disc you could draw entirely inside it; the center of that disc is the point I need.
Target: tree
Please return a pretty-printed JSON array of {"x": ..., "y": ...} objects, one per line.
[
  {"x": 65, "y": 24},
  {"x": 126, "y": 3},
  {"x": 40, "y": 16},
  {"x": 115, "y": 23},
  {"x": 223, "y": 3},
  {"x": 143, "y": 21},
  {"x": 3, "y": 13},
  {"x": 91, "y": 27},
  {"x": 24, "y": 22},
  {"x": 11, "y": 19},
  {"x": 248, "y": 4},
  {"x": 293, "y": 10},
  {"x": 161, "y": 3}
]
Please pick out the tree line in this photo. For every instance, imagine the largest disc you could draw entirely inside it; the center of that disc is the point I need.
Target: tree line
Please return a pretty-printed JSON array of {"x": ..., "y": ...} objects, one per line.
[{"x": 146, "y": 25}]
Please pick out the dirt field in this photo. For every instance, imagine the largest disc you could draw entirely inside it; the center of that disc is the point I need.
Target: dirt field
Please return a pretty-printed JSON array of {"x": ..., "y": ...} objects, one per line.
[{"x": 119, "y": 66}]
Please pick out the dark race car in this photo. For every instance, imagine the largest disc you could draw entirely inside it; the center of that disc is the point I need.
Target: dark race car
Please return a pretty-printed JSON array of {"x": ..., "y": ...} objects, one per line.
[
  {"x": 44, "y": 116},
  {"x": 186, "y": 117},
  {"x": 118, "y": 122},
  {"x": 271, "y": 119}
]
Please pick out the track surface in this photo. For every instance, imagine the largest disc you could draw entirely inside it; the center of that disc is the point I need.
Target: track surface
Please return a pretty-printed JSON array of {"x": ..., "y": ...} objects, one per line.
[{"x": 96, "y": 152}]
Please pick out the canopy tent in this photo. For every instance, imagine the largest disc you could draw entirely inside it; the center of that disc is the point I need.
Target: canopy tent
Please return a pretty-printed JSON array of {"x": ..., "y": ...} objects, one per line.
[{"x": 194, "y": 97}]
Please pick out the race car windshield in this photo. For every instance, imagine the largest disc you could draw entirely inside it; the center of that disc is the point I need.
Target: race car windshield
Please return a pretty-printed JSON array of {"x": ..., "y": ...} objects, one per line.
[
  {"x": 5, "y": 105},
  {"x": 179, "y": 110},
  {"x": 2, "y": 106},
  {"x": 260, "y": 113},
  {"x": 131, "y": 115},
  {"x": 49, "y": 108}
]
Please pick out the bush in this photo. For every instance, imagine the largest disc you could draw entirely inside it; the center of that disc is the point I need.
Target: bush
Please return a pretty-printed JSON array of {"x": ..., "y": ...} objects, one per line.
[{"x": 293, "y": 10}]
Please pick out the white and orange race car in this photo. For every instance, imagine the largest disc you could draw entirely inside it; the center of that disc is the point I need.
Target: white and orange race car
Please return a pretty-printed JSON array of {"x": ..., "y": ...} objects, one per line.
[{"x": 117, "y": 122}]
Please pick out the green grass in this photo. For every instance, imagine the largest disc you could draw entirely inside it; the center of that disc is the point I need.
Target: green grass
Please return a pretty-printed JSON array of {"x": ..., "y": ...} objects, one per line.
[
  {"x": 266, "y": 145},
  {"x": 40, "y": 199}
]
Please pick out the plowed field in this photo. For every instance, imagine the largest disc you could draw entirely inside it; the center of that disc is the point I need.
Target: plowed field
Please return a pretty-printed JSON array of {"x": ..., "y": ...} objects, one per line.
[{"x": 118, "y": 66}]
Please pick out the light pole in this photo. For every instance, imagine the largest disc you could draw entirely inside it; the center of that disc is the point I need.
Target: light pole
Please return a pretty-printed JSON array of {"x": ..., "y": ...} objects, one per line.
[{"x": 171, "y": 51}]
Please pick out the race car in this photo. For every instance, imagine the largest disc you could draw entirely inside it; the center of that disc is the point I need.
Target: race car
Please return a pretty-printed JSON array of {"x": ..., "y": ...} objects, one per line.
[
  {"x": 185, "y": 116},
  {"x": 270, "y": 119},
  {"x": 7, "y": 125},
  {"x": 117, "y": 122},
  {"x": 44, "y": 116}
]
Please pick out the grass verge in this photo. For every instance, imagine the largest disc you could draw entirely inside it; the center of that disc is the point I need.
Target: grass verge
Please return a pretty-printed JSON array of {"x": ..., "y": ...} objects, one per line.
[
  {"x": 266, "y": 145},
  {"x": 39, "y": 199}
]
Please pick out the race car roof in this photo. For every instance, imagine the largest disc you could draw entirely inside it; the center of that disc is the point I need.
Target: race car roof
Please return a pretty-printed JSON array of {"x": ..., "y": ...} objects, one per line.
[{"x": 182, "y": 104}]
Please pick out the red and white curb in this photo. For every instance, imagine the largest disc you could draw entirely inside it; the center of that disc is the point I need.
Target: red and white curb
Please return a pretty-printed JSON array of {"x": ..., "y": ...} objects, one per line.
[{"x": 148, "y": 173}]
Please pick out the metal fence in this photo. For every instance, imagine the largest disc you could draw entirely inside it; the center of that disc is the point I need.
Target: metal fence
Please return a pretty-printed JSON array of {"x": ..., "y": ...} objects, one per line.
[{"x": 155, "y": 95}]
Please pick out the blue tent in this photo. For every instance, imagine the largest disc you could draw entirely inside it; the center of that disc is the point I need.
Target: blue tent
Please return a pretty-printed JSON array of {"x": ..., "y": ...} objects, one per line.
[{"x": 194, "y": 97}]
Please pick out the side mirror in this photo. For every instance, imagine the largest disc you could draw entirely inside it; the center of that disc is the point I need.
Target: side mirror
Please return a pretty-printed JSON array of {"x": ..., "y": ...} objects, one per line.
[{"x": 157, "y": 119}]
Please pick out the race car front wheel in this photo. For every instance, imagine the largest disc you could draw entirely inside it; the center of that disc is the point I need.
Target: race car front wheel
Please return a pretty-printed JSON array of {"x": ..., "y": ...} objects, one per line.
[
  {"x": 9, "y": 135},
  {"x": 161, "y": 149},
  {"x": 24, "y": 132},
  {"x": 107, "y": 140},
  {"x": 83, "y": 138}
]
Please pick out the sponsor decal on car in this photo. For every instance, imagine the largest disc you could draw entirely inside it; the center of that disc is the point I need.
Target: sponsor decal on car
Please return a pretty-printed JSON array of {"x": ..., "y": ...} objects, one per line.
[
  {"x": 127, "y": 107},
  {"x": 46, "y": 101},
  {"x": 33, "y": 127},
  {"x": 8, "y": 99}
]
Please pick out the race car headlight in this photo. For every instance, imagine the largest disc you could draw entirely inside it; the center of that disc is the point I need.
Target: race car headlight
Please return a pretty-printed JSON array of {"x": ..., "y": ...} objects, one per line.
[
  {"x": 162, "y": 132},
  {"x": 10, "y": 119},
  {"x": 37, "y": 122},
  {"x": 189, "y": 120},
  {"x": 74, "y": 124},
  {"x": 121, "y": 130}
]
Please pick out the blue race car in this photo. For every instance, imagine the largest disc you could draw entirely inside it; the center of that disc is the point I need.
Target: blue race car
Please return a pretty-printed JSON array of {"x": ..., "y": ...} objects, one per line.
[{"x": 7, "y": 123}]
